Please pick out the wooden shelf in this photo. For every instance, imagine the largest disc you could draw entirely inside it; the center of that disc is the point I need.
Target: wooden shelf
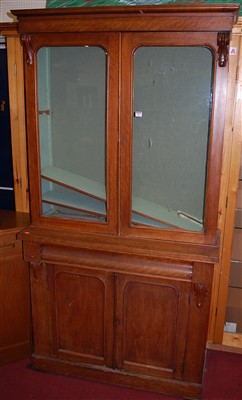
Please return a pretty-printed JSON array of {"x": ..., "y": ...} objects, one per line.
[
  {"x": 164, "y": 216},
  {"x": 232, "y": 339},
  {"x": 142, "y": 220},
  {"x": 75, "y": 182},
  {"x": 75, "y": 201},
  {"x": 144, "y": 212}
]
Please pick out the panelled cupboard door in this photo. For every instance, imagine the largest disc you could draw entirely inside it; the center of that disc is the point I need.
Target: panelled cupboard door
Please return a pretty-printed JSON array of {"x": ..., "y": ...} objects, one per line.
[
  {"x": 74, "y": 130},
  {"x": 128, "y": 322},
  {"x": 151, "y": 322},
  {"x": 81, "y": 314}
]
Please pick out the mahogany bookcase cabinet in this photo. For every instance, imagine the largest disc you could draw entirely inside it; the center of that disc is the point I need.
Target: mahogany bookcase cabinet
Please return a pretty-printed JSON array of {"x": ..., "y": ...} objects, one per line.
[{"x": 125, "y": 117}]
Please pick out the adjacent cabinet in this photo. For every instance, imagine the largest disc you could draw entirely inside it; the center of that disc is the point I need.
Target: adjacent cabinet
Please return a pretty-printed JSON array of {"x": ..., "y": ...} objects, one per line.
[
  {"x": 15, "y": 332},
  {"x": 125, "y": 117}
]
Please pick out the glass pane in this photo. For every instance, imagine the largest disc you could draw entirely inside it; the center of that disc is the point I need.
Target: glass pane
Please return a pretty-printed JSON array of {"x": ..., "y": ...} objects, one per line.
[
  {"x": 172, "y": 104},
  {"x": 72, "y": 130}
]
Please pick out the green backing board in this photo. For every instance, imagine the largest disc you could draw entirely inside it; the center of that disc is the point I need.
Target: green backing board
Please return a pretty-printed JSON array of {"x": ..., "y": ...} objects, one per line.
[{"x": 94, "y": 3}]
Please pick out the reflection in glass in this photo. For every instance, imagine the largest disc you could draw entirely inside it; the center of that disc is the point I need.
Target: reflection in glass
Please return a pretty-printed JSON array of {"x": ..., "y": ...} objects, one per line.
[
  {"x": 172, "y": 103},
  {"x": 72, "y": 130}
]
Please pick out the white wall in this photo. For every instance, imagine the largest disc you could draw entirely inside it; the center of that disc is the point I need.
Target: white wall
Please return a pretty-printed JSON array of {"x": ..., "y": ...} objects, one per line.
[{"x": 7, "y": 5}]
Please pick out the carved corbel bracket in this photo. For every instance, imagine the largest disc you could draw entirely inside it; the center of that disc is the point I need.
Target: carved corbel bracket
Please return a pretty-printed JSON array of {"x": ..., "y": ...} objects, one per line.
[
  {"x": 28, "y": 48},
  {"x": 223, "y": 48},
  {"x": 201, "y": 292},
  {"x": 32, "y": 254}
]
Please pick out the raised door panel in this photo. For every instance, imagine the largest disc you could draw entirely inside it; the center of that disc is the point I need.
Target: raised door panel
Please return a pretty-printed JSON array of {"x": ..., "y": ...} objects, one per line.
[
  {"x": 151, "y": 325},
  {"x": 81, "y": 314}
]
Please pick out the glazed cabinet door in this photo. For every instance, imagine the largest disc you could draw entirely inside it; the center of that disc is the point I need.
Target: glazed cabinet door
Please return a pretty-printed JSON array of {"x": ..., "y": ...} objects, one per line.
[
  {"x": 151, "y": 321},
  {"x": 79, "y": 320},
  {"x": 73, "y": 141},
  {"x": 125, "y": 132},
  {"x": 170, "y": 128}
]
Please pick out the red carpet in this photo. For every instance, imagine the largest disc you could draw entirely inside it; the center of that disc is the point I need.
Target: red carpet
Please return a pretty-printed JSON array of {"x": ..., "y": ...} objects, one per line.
[
  {"x": 223, "y": 381},
  {"x": 223, "y": 376}
]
